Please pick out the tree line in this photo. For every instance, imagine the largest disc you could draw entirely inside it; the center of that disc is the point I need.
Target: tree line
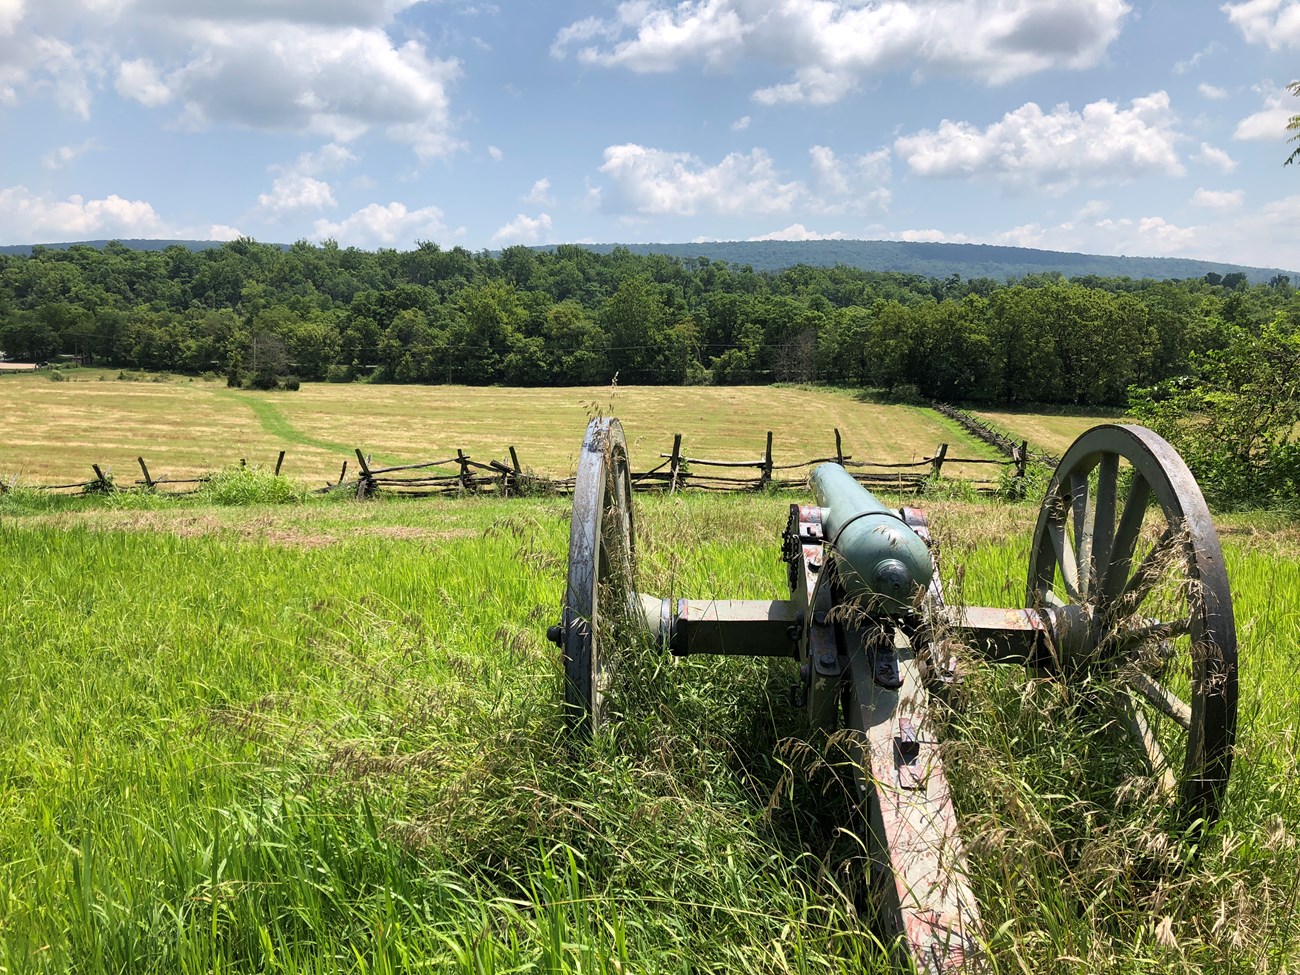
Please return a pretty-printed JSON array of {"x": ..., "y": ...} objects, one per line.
[{"x": 569, "y": 316}]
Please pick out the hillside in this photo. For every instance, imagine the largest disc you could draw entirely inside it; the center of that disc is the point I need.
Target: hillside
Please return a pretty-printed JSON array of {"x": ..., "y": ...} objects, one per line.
[
  {"x": 926, "y": 259},
  {"x": 944, "y": 260}
]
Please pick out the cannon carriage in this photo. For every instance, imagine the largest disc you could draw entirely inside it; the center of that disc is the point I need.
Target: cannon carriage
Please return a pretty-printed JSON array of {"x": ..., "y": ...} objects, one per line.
[{"x": 1125, "y": 585}]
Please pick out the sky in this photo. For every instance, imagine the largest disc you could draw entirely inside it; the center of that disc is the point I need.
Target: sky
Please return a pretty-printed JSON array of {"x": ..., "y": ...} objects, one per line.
[{"x": 1146, "y": 127}]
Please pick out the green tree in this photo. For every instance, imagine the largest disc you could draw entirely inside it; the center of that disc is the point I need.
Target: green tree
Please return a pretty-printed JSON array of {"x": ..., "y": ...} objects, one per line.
[{"x": 1236, "y": 421}]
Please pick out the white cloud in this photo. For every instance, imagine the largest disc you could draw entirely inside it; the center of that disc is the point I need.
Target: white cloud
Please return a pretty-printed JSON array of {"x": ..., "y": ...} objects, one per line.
[
  {"x": 649, "y": 182},
  {"x": 138, "y": 79},
  {"x": 1214, "y": 156},
  {"x": 65, "y": 155},
  {"x": 832, "y": 45},
  {"x": 495, "y": 153},
  {"x": 1275, "y": 23},
  {"x": 1053, "y": 150},
  {"x": 30, "y": 218},
  {"x": 928, "y": 236},
  {"x": 524, "y": 229},
  {"x": 1218, "y": 199},
  {"x": 11, "y": 11},
  {"x": 653, "y": 181},
  {"x": 296, "y": 194},
  {"x": 828, "y": 172},
  {"x": 1093, "y": 208},
  {"x": 540, "y": 193},
  {"x": 1212, "y": 92},
  {"x": 1264, "y": 236},
  {"x": 741, "y": 124},
  {"x": 329, "y": 158},
  {"x": 797, "y": 231},
  {"x": 1182, "y": 67},
  {"x": 298, "y": 66},
  {"x": 298, "y": 189},
  {"x": 221, "y": 231},
  {"x": 1269, "y": 122},
  {"x": 384, "y": 226}
]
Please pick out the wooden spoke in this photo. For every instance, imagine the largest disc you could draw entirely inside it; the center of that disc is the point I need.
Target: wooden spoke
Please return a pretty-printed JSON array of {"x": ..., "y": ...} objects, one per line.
[
  {"x": 1082, "y": 531},
  {"x": 1155, "y": 633},
  {"x": 1102, "y": 527},
  {"x": 1163, "y": 699},
  {"x": 1148, "y": 572},
  {"x": 1065, "y": 559},
  {"x": 1126, "y": 537},
  {"x": 1145, "y": 737}
]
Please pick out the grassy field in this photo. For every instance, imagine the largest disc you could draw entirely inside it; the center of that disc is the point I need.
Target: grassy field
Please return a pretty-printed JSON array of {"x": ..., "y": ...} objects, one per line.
[
  {"x": 53, "y": 431},
  {"x": 1048, "y": 432},
  {"x": 324, "y": 737}
]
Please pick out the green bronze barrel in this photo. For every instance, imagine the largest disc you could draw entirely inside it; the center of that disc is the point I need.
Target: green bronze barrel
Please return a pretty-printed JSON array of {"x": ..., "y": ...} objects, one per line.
[{"x": 881, "y": 562}]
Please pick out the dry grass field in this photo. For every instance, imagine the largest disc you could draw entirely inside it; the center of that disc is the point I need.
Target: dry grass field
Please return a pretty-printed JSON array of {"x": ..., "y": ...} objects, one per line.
[
  {"x": 53, "y": 431},
  {"x": 1051, "y": 433}
]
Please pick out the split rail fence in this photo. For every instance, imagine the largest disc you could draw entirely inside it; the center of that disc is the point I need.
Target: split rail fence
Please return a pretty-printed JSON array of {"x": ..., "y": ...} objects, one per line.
[
  {"x": 1018, "y": 452},
  {"x": 677, "y": 471},
  {"x": 104, "y": 483}
]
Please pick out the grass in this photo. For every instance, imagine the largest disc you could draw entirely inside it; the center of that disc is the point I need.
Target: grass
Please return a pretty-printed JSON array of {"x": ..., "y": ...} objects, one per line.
[
  {"x": 325, "y": 737},
  {"x": 1052, "y": 432},
  {"x": 53, "y": 432}
]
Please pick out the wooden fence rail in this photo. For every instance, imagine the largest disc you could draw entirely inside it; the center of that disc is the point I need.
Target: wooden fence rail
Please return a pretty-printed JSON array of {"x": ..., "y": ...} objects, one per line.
[{"x": 678, "y": 471}]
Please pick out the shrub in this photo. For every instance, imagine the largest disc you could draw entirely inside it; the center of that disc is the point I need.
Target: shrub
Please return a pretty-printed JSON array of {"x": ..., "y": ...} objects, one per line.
[
  {"x": 264, "y": 380},
  {"x": 250, "y": 485},
  {"x": 291, "y": 383}
]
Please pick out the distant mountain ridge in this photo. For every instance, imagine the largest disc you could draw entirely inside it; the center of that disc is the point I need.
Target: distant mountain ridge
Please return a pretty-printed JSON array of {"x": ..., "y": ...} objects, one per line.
[
  {"x": 933, "y": 260},
  {"x": 938, "y": 260}
]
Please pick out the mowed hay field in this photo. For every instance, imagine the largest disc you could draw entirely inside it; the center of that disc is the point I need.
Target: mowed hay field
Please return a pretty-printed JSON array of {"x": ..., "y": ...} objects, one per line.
[
  {"x": 52, "y": 431},
  {"x": 325, "y": 737},
  {"x": 1048, "y": 432}
]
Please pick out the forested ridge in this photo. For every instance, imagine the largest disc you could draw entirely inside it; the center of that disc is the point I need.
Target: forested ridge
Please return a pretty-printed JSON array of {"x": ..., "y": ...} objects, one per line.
[{"x": 570, "y": 316}]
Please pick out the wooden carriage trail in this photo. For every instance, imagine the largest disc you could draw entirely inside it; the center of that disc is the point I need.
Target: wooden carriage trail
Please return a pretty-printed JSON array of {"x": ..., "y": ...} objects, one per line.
[{"x": 677, "y": 471}]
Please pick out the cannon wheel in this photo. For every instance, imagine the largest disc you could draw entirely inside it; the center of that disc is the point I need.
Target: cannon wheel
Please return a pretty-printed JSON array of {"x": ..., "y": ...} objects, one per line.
[
  {"x": 1126, "y": 558},
  {"x": 601, "y": 559}
]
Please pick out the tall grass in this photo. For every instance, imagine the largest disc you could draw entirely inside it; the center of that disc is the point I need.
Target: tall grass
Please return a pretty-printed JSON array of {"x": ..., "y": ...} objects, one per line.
[{"x": 230, "y": 755}]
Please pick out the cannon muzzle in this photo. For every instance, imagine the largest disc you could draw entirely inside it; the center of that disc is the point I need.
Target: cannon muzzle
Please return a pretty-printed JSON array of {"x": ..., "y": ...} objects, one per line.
[{"x": 882, "y": 563}]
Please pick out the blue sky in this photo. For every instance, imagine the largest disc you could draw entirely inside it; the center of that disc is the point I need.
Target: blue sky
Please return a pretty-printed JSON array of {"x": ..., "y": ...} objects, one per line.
[{"x": 1141, "y": 128}]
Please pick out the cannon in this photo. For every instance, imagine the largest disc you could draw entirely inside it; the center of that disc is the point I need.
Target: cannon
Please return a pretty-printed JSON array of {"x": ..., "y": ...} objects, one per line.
[{"x": 1126, "y": 587}]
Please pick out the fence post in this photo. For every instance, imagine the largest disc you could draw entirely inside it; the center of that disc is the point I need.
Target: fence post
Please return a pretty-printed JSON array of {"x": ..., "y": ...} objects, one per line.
[
  {"x": 765, "y": 478},
  {"x": 839, "y": 449},
  {"x": 675, "y": 463},
  {"x": 100, "y": 479},
  {"x": 465, "y": 484},
  {"x": 148, "y": 481},
  {"x": 343, "y": 473},
  {"x": 937, "y": 459},
  {"x": 278, "y": 462},
  {"x": 366, "y": 482},
  {"x": 516, "y": 472},
  {"x": 1021, "y": 456}
]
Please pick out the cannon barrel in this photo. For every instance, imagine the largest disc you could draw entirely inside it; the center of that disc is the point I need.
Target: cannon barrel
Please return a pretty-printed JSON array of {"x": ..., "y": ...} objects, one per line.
[{"x": 882, "y": 563}]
